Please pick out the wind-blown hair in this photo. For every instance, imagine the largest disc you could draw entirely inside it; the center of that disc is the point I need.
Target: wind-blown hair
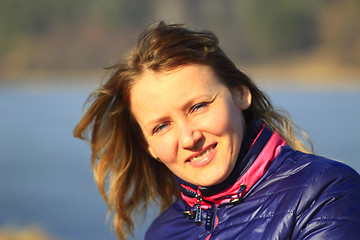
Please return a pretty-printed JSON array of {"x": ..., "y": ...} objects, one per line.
[{"x": 120, "y": 159}]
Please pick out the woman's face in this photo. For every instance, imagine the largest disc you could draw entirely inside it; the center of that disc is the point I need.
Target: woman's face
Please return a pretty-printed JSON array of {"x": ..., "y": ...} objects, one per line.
[{"x": 191, "y": 121}]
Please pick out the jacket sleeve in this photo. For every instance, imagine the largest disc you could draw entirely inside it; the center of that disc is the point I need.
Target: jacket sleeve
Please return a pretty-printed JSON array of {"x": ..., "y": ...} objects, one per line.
[{"x": 332, "y": 209}]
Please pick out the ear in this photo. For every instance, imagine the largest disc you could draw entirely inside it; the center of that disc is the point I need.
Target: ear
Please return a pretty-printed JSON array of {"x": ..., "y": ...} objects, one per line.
[{"x": 243, "y": 97}]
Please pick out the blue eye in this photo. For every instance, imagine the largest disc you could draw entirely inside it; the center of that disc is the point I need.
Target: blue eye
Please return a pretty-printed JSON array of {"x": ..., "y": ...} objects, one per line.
[
  {"x": 199, "y": 106},
  {"x": 160, "y": 127}
]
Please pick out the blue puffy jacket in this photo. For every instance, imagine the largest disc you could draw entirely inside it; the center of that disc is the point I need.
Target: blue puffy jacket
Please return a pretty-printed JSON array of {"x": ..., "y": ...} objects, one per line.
[{"x": 273, "y": 192}]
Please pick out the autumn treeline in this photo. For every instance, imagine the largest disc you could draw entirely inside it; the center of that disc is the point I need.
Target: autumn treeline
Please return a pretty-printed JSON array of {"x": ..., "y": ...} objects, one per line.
[{"x": 88, "y": 34}]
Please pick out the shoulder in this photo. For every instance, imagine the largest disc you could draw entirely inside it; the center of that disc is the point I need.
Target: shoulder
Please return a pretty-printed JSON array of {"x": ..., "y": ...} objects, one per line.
[
  {"x": 320, "y": 176},
  {"x": 328, "y": 205},
  {"x": 314, "y": 170},
  {"x": 310, "y": 178}
]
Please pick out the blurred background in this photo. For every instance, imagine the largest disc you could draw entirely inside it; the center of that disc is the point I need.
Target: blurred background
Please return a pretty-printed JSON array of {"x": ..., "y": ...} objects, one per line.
[{"x": 304, "y": 54}]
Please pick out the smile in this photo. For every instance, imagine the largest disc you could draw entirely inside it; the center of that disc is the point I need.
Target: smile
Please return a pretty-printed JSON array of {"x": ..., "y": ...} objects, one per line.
[{"x": 204, "y": 158}]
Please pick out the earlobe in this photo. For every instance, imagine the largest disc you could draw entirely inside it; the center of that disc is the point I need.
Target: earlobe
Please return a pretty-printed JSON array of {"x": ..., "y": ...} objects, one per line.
[{"x": 152, "y": 153}]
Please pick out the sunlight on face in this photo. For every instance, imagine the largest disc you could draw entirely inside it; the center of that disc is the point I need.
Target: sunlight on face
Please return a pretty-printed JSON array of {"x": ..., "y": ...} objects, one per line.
[{"x": 191, "y": 122}]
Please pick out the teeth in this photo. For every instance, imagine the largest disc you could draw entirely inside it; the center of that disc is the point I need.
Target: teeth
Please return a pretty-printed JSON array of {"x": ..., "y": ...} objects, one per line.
[{"x": 203, "y": 155}]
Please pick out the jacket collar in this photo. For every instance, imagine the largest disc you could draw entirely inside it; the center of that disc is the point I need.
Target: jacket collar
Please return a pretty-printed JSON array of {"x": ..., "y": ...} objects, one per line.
[{"x": 259, "y": 148}]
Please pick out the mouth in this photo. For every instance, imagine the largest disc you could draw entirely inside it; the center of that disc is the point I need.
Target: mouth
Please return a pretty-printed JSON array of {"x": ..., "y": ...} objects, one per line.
[{"x": 203, "y": 158}]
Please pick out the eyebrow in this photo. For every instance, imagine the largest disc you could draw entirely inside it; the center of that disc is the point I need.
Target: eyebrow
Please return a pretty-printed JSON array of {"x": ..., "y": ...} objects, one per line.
[{"x": 201, "y": 98}]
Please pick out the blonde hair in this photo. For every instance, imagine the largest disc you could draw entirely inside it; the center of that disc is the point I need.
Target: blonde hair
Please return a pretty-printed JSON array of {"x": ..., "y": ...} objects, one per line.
[{"x": 119, "y": 155}]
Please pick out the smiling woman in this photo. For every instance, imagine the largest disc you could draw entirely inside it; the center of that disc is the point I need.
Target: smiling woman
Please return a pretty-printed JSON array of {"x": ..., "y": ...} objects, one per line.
[
  {"x": 197, "y": 134},
  {"x": 177, "y": 122}
]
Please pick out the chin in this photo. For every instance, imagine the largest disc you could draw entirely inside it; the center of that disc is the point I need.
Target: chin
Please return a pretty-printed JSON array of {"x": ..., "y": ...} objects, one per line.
[{"x": 212, "y": 181}]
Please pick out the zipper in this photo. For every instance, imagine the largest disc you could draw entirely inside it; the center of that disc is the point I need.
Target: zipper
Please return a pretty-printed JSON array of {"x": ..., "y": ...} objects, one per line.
[
  {"x": 196, "y": 215},
  {"x": 198, "y": 219}
]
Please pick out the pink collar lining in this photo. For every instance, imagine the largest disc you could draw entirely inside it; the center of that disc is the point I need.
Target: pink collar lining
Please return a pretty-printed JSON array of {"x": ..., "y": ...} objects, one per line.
[{"x": 251, "y": 176}]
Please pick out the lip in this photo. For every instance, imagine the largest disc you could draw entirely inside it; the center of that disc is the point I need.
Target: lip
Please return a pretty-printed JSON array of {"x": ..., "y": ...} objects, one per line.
[{"x": 204, "y": 161}]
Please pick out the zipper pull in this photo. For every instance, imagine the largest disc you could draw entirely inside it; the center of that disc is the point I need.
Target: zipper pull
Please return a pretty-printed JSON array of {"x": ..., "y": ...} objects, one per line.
[
  {"x": 198, "y": 216},
  {"x": 198, "y": 210}
]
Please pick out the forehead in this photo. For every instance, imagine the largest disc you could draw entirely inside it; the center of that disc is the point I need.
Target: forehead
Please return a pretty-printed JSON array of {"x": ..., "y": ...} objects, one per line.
[
  {"x": 193, "y": 76},
  {"x": 159, "y": 91}
]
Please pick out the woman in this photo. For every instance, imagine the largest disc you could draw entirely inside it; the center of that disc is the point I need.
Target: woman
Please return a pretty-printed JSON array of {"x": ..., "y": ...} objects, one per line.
[{"x": 177, "y": 123}]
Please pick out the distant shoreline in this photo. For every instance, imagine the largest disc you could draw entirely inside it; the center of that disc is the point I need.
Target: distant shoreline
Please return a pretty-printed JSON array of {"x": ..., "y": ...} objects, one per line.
[{"x": 308, "y": 73}]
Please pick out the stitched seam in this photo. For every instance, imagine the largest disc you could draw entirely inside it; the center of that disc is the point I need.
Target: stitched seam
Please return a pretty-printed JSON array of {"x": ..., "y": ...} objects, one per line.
[
  {"x": 339, "y": 192},
  {"x": 262, "y": 216},
  {"x": 333, "y": 218},
  {"x": 282, "y": 190}
]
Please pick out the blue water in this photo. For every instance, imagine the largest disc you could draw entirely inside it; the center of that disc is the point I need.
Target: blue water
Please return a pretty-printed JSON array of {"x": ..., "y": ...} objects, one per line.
[{"x": 45, "y": 173}]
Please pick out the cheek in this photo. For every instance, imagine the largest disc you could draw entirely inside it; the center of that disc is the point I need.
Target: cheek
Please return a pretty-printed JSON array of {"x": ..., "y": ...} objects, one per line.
[
  {"x": 164, "y": 148},
  {"x": 224, "y": 121},
  {"x": 219, "y": 123}
]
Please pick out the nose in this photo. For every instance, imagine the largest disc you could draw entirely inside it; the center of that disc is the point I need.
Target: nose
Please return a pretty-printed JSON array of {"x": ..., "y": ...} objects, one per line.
[{"x": 188, "y": 135}]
